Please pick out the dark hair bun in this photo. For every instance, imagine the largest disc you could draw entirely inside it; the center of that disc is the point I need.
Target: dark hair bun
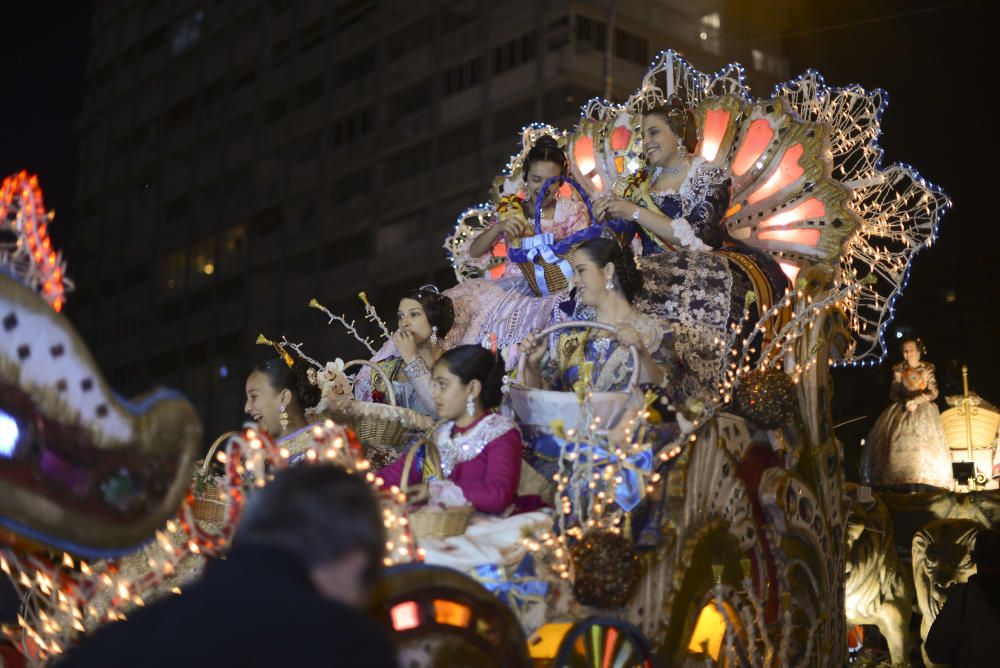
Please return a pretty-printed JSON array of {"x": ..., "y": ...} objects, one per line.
[
  {"x": 294, "y": 379},
  {"x": 438, "y": 308},
  {"x": 471, "y": 362},
  {"x": 307, "y": 394},
  {"x": 602, "y": 251},
  {"x": 545, "y": 149}
]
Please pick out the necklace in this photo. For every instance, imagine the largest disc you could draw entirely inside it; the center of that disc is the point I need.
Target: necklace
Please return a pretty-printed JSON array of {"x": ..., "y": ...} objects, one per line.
[{"x": 665, "y": 171}]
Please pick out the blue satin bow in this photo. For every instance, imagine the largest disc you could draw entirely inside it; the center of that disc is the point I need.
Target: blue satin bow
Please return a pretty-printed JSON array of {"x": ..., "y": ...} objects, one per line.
[
  {"x": 629, "y": 492},
  {"x": 541, "y": 245},
  {"x": 521, "y": 587}
]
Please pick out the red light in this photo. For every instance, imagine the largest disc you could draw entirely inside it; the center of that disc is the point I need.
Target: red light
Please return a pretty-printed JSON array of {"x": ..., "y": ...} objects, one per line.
[{"x": 405, "y": 616}]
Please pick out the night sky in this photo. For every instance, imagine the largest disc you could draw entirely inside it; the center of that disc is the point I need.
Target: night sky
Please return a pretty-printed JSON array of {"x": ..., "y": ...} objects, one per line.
[{"x": 930, "y": 57}]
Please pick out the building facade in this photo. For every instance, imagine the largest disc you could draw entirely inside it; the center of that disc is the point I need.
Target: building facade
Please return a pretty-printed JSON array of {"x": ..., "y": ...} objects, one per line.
[{"x": 240, "y": 158}]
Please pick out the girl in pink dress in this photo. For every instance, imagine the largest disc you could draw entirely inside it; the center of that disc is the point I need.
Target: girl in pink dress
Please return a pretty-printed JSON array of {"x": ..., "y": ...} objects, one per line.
[{"x": 480, "y": 450}]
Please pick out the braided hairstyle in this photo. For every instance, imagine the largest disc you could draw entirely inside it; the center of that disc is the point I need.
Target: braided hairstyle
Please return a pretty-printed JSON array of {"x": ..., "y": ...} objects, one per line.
[
  {"x": 295, "y": 379},
  {"x": 545, "y": 149},
  {"x": 601, "y": 251},
  {"x": 471, "y": 362},
  {"x": 680, "y": 120},
  {"x": 437, "y": 307}
]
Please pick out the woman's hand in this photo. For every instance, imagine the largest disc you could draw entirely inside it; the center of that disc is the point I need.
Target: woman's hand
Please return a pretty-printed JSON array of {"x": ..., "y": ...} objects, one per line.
[
  {"x": 613, "y": 207},
  {"x": 911, "y": 405},
  {"x": 533, "y": 347},
  {"x": 405, "y": 344},
  {"x": 515, "y": 227},
  {"x": 627, "y": 335},
  {"x": 417, "y": 494}
]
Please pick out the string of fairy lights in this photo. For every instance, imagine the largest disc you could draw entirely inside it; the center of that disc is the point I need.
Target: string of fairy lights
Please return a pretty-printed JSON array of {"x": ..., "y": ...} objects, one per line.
[
  {"x": 65, "y": 597},
  {"x": 899, "y": 213}
]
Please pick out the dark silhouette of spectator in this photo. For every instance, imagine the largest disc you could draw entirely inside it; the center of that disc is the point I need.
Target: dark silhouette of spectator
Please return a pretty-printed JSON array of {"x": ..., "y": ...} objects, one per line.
[
  {"x": 290, "y": 593},
  {"x": 965, "y": 632}
]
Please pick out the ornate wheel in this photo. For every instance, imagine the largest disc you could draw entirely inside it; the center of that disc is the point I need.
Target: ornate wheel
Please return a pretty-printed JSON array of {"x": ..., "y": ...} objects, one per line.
[
  {"x": 441, "y": 617},
  {"x": 603, "y": 642}
]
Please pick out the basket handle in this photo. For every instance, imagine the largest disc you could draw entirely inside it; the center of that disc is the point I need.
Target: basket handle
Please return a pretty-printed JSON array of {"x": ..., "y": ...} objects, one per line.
[
  {"x": 211, "y": 451},
  {"x": 541, "y": 193},
  {"x": 590, "y": 324},
  {"x": 380, "y": 371},
  {"x": 431, "y": 455}
]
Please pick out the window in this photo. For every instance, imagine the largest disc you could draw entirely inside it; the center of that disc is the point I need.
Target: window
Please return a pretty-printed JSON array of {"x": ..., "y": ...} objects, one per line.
[
  {"x": 312, "y": 35},
  {"x": 352, "y": 12},
  {"x": 177, "y": 208},
  {"x": 267, "y": 221},
  {"x": 558, "y": 33},
  {"x": 768, "y": 63},
  {"x": 515, "y": 53},
  {"x": 507, "y": 122},
  {"x": 356, "y": 182},
  {"x": 354, "y": 67},
  {"x": 281, "y": 50},
  {"x": 410, "y": 38},
  {"x": 458, "y": 15},
  {"x": 172, "y": 272},
  {"x": 409, "y": 100},
  {"x": 632, "y": 48},
  {"x": 406, "y": 163},
  {"x": 347, "y": 249},
  {"x": 188, "y": 33},
  {"x": 310, "y": 91},
  {"x": 345, "y": 131},
  {"x": 464, "y": 76},
  {"x": 275, "y": 109},
  {"x": 591, "y": 32},
  {"x": 180, "y": 113},
  {"x": 710, "y": 32},
  {"x": 457, "y": 143}
]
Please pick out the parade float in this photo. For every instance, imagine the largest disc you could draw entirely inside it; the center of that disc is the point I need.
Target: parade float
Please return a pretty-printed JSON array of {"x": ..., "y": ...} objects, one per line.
[{"x": 761, "y": 555}]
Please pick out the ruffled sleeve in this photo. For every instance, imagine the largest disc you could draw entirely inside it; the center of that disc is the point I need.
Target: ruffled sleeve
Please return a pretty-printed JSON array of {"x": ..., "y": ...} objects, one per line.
[
  {"x": 930, "y": 393},
  {"x": 707, "y": 212}
]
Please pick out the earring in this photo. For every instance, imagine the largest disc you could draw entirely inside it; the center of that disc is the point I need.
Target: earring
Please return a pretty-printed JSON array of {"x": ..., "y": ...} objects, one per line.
[
  {"x": 681, "y": 148},
  {"x": 283, "y": 417},
  {"x": 609, "y": 285},
  {"x": 434, "y": 335},
  {"x": 470, "y": 406}
]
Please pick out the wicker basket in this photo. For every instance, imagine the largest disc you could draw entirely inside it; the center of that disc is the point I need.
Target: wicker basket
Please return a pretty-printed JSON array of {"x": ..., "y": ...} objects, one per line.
[
  {"x": 377, "y": 424},
  {"x": 209, "y": 503},
  {"x": 434, "y": 522},
  {"x": 543, "y": 260}
]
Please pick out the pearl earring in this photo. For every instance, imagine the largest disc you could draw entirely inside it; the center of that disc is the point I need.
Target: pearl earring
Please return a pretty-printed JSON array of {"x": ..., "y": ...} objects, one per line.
[
  {"x": 470, "y": 406},
  {"x": 434, "y": 335},
  {"x": 609, "y": 285},
  {"x": 283, "y": 417}
]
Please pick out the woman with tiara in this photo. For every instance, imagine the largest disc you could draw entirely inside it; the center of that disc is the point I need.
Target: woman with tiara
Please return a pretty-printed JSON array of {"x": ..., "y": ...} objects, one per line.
[
  {"x": 697, "y": 276},
  {"x": 424, "y": 318},
  {"x": 505, "y": 305},
  {"x": 907, "y": 446}
]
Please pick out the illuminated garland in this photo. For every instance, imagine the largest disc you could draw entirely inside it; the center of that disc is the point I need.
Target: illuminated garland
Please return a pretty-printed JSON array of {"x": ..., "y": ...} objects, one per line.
[
  {"x": 31, "y": 258},
  {"x": 66, "y": 598}
]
